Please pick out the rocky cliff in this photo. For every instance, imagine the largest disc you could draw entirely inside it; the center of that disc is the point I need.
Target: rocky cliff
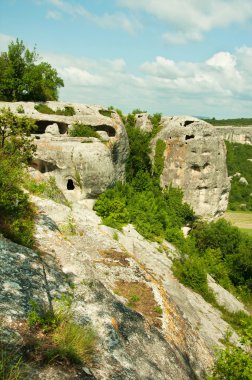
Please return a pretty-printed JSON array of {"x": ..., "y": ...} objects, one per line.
[
  {"x": 103, "y": 273},
  {"x": 86, "y": 166},
  {"x": 195, "y": 160},
  {"x": 241, "y": 135}
]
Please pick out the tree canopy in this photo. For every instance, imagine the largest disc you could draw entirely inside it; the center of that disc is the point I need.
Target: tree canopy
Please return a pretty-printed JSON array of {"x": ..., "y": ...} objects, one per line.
[{"x": 23, "y": 78}]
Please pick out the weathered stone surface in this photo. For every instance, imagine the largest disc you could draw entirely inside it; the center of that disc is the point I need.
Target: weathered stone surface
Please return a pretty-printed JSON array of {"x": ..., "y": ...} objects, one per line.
[
  {"x": 241, "y": 135},
  {"x": 143, "y": 122},
  {"x": 53, "y": 129},
  {"x": 195, "y": 160},
  {"x": 224, "y": 298},
  {"x": 91, "y": 165},
  {"x": 129, "y": 345}
]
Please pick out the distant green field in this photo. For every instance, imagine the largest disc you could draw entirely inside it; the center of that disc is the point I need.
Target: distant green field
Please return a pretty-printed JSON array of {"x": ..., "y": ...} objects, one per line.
[
  {"x": 235, "y": 122},
  {"x": 243, "y": 220}
]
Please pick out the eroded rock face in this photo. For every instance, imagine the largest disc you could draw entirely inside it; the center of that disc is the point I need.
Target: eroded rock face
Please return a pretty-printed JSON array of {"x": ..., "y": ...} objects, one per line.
[
  {"x": 83, "y": 167},
  {"x": 241, "y": 135},
  {"x": 195, "y": 160}
]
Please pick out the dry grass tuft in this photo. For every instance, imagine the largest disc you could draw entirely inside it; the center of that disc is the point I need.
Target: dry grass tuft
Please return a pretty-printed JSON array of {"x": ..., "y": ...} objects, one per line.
[
  {"x": 140, "y": 298},
  {"x": 115, "y": 258}
]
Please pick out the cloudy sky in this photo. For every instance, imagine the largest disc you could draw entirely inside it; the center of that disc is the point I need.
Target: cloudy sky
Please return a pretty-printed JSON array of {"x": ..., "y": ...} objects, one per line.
[{"x": 171, "y": 56}]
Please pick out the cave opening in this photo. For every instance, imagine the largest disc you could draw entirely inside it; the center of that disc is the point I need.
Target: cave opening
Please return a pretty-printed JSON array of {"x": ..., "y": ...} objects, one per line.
[{"x": 70, "y": 185}]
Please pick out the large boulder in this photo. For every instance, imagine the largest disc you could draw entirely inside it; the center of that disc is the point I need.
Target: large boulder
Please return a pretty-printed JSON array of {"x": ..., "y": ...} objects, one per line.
[{"x": 195, "y": 160}]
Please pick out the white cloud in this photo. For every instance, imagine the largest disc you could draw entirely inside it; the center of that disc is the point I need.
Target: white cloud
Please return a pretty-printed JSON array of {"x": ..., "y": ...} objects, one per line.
[
  {"x": 188, "y": 20},
  {"x": 117, "y": 20},
  {"x": 54, "y": 15},
  {"x": 4, "y": 41},
  {"x": 220, "y": 86}
]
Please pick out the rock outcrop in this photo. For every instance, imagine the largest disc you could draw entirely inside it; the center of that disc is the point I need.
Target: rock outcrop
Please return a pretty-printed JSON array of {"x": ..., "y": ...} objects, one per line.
[
  {"x": 241, "y": 135},
  {"x": 103, "y": 274},
  {"x": 83, "y": 167},
  {"x": 195, "y": 160}
]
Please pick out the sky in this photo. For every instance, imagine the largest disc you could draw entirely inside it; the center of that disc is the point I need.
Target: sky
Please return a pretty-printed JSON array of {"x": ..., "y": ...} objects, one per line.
[{"x": 177, "y": 57}]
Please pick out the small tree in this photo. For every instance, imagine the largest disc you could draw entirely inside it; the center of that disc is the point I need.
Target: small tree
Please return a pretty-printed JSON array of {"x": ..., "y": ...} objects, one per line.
[{"x": 22, "y": 78}]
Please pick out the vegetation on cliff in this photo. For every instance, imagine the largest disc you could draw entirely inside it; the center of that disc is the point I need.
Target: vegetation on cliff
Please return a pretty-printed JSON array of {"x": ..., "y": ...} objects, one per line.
[
  {"x": 239, "y": 164},
  {"x": 16, "y": 148},
  {"x": 156, "y": 213}
]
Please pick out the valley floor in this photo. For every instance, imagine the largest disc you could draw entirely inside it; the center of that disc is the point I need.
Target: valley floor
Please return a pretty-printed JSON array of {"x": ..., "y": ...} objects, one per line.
[{"x": 243, "y": 220}]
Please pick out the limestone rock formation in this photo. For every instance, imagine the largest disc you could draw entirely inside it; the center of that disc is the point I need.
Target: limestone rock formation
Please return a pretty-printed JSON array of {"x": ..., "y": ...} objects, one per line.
[
  {"x": 83, "y": 167},
  {"x": 195, "y": 160},
  {"x": 133, "y": 343},
  {"x": 143, "y": 122},
  {"x": 241, "y": 135}
]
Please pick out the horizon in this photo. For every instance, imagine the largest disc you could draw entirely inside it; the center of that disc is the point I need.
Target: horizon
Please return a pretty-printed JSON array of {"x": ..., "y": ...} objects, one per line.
[{"x": 195, "y": 59}]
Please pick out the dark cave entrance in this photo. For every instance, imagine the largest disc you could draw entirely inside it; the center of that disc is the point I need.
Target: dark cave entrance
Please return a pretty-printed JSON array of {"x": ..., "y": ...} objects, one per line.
[{"x": 70, "y": 185}]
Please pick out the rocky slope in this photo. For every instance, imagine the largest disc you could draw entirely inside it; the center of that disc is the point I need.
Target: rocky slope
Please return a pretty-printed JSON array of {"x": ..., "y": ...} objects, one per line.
[{"x": 104, "y": 269}]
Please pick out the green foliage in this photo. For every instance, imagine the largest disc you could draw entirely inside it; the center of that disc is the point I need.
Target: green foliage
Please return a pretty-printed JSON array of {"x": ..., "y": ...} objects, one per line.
[
  {"x": 74, "y": 343},
  {"x": 138, "y": 159},
  {"x": 141, "y": 201},
  {"x": 10, "y": 365},
  {"x": 21, "y": 78},
  {"x": 235, "y": 362},
  {"x": 158, "y": 165},
  {"x": 47, "y": 189},
  {"x": 233, "y": 248},
  {"x": 81, "y": 130},
  {"x": 234, "y": 122},
  {"x": 107, "y": 113},
  {"x": 16, "y": 213},
  {"x": 44, "y": 108},
  {"x": 70, "y": 342},
  {"x": 232, "y": 363},
  {"x": 238, "y": 156},
  {"x": 155, "y": 121},
  {"x": 123, "y": 117},
  {"x": 191, "y": 271},
  {"x": 20, "y": 109},
  {"x": 15, "y": 135}
]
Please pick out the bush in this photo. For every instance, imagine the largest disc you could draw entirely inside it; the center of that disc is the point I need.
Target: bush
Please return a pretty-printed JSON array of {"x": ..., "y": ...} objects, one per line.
[
  {"x": 81, "y": 130},
  {"x": 17, "y": 214},
  {"x": 44, "y": 108},
  {"x": 192, "y": 272},
  {"x": 69, "y": 341}
]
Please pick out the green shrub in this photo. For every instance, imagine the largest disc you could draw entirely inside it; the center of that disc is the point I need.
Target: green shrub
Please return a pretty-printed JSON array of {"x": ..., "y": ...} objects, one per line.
[
  {"x": 73, "y": 342},
  {"x": 20, "y": 109},
  {"x": 158, "y": 165},
  {"x": 107, "y": 113},
  {"x": 191, "y": 271},
  {"x": 232, "y": 364},
  {"x": 17, "y": 214},
  {"x": 81, "y": 130},
  {"x": 69, "y": 341},
  {"x": 237, "y": 162},
  {"x": 47, "y": 189},
  {"x": 44, "y": 108}
]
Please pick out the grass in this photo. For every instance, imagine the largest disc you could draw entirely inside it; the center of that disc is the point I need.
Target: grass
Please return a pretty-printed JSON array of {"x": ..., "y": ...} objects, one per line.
[
  {"x": 240, "y": 219},
  {"x": 58, "y": 338},
  {"x": 11, "y": 365},
  {"x": 66, "y": 111},
  {"x": 140, "y": 298},
  {"x": 116, "y": 258}
]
